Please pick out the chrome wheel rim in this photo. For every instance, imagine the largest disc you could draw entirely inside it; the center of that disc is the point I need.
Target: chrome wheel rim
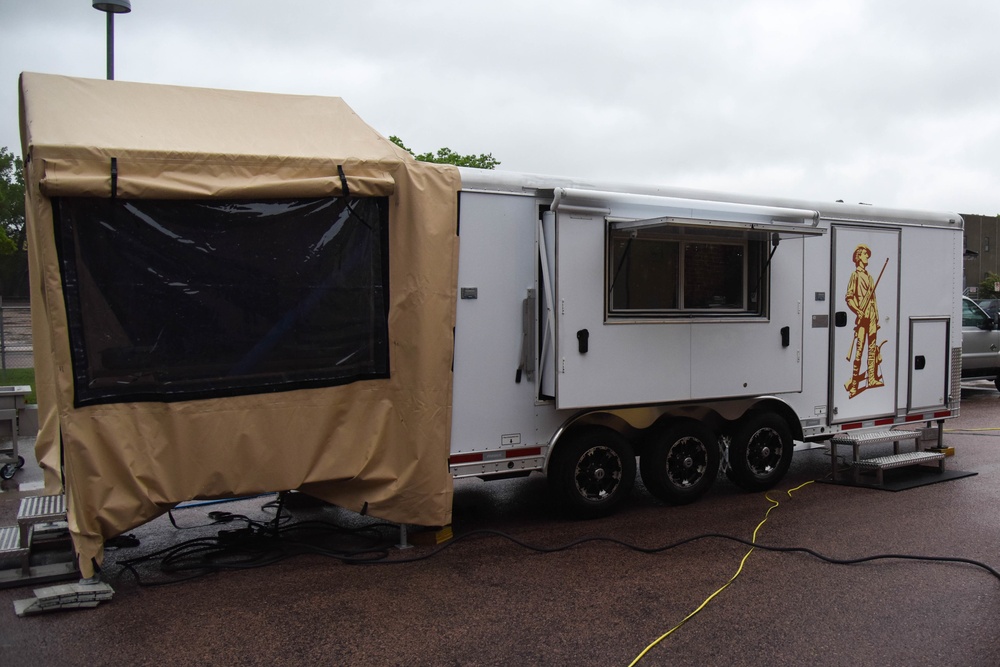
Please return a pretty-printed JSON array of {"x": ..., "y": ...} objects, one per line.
[
  {"x": 764, "y": 451},
  {"x": 598, "y": 473},
  {"x": 687, "y": 460}
]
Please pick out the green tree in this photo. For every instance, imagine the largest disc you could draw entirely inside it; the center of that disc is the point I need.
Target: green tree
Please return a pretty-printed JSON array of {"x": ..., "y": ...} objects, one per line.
[
  {"x": 448, "y": 156},
  {"x": 11, "y": 202},
  {"x": 987, "y": 289},
  {"x": 13, "y": 258}
]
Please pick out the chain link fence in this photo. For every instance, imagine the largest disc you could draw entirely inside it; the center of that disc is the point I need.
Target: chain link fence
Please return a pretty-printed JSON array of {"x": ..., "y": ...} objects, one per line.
[{"x": 17, "y": 357}]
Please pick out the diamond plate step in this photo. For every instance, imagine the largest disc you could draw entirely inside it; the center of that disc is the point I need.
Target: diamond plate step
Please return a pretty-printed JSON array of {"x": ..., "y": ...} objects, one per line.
[
  {"x": 880, "y": 463},
  {"x": 10, "y": 542},
  {"x": 898, "y": 460},
  {"x": 874, "y": 437},
  {"x": 39, "y": 509},
  {"x": 858, "y": 439},
  {"x": 32, "y": 515}
]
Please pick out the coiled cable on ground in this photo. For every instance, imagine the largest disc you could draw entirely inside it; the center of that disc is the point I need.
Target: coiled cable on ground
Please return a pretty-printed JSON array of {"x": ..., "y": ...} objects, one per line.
[{"x": 257, "y": 543}]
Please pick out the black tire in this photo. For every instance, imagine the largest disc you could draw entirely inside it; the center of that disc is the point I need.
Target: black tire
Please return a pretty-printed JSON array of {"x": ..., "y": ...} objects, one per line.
[
  {"x": 7, "y": 472},
  {"x": 592, "y": 471},
  {"x": 680, "y": 462},
  {"x": 760, "y": 451}
]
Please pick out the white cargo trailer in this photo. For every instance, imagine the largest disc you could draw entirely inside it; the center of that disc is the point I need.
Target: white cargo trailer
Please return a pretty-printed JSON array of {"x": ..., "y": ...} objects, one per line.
[
  {"x": 598, "y": 323},
  {"x": 237, "y": 293}
]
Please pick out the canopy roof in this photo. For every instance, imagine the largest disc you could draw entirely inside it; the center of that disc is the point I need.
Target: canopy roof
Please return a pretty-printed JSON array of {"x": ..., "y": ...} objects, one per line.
[{"x": 64, "y": 115}]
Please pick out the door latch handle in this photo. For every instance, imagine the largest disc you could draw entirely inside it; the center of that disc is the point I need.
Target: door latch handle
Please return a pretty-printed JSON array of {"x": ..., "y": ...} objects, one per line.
[{"x": 583, "y": 340}]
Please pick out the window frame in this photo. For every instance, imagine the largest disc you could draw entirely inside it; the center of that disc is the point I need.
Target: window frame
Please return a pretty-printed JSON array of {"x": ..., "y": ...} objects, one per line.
[{"x": 681, "y": 238}]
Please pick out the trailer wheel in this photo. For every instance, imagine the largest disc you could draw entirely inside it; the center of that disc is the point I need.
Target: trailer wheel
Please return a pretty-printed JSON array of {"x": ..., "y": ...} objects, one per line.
[
  {"x": 760, "y": 451},
  {"x": 593, "y": 471},
  {"x": 681, "y": 461}
]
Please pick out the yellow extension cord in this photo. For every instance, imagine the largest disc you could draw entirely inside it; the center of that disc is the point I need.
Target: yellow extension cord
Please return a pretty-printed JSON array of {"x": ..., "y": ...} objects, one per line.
[{"x": 774, "y": 504}]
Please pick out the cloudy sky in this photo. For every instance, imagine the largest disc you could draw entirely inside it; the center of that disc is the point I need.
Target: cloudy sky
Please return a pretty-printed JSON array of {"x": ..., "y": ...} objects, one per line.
[{"x": 891, "y": 102}]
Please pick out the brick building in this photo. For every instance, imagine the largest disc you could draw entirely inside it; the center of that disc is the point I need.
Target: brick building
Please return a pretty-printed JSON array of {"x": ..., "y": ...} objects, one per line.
[{"x": 982, "y": 255}]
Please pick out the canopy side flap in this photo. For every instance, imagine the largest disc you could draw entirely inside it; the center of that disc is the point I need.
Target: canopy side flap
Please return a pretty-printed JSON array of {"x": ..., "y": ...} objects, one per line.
[{"x": 182, "y": 179}]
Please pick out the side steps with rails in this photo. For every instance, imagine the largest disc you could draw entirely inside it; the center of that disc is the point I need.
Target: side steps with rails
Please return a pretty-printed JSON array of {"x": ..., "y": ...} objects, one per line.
[{"x": 38, "y": 549}]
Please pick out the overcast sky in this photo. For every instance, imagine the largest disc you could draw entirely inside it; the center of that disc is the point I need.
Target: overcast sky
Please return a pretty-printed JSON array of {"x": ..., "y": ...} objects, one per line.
[{"x": 891, "y": 102}]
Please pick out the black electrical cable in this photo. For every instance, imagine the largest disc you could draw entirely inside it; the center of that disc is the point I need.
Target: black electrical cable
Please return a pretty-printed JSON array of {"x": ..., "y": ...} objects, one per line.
[
  {"x": 258, "y": 545},
  {"x": 219, "y": 516},
  {"x": 660, "y": 549},
  {"x": 281, "y": 502}
]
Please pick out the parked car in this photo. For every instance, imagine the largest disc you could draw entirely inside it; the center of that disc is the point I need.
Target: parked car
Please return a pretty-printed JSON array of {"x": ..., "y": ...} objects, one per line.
[
  {"x": 991, "y": 306},
  {"x": 980, "y": 343}
]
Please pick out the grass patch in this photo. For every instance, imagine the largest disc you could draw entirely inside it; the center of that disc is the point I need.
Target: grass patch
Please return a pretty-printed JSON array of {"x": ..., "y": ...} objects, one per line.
[{"x": 18, "y": 377}]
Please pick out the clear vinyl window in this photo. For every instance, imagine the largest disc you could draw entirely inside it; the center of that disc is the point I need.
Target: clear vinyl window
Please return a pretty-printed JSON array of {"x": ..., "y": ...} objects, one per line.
[
  {"x": 185, "y": 299},
  {"x": 676, "y": 271}
]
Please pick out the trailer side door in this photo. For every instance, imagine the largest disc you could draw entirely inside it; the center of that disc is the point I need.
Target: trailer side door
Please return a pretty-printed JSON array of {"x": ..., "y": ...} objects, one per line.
[{"x": 864, "y": 349}]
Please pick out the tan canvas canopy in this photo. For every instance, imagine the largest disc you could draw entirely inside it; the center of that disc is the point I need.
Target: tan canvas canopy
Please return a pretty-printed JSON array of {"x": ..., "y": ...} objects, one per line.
[{"x": 377, "y": 444}]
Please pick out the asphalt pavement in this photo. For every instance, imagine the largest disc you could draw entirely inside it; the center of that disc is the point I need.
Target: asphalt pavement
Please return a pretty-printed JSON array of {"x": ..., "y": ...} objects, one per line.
[{"x": 510, "y": 590}]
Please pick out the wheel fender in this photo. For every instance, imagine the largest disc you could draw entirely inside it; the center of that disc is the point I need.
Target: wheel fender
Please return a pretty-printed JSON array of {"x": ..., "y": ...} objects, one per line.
[{"x": 606, "y": 419}]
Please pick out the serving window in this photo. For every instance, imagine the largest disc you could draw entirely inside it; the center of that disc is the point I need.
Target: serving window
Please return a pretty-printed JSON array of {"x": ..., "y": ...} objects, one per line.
[
  {"x": 185, "y": 299},
  {"x": 670, "y": 271}
]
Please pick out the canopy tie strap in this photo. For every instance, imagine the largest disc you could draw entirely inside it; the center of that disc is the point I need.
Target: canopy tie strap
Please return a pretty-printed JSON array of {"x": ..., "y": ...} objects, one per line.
[{"x": 343, "y": 181}]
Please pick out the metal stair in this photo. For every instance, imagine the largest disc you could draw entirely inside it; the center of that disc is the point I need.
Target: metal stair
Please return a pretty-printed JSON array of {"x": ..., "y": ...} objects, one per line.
[
  {"x": 878, "y": 464},
  {"x": 41, "y": 520}
]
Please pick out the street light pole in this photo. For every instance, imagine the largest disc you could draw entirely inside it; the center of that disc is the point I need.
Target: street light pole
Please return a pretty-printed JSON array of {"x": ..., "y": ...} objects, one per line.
[{"x": 112, "y": 7}]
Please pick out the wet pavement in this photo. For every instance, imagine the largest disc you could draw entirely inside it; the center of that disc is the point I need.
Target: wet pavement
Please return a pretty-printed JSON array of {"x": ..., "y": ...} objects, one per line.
[{"x": 485, "y": 599}]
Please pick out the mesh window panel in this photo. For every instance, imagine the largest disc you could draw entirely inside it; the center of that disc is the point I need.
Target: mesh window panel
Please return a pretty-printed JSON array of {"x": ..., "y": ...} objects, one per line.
[{"x": 178, "y": 299}]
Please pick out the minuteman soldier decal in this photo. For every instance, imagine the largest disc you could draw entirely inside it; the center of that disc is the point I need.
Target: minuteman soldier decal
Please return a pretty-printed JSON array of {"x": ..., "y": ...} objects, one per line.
[{"x": 862, "y": 301}]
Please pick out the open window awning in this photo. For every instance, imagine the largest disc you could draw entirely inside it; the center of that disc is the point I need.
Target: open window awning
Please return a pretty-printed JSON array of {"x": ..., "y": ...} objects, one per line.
[{"x": 634, "y": 212}]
